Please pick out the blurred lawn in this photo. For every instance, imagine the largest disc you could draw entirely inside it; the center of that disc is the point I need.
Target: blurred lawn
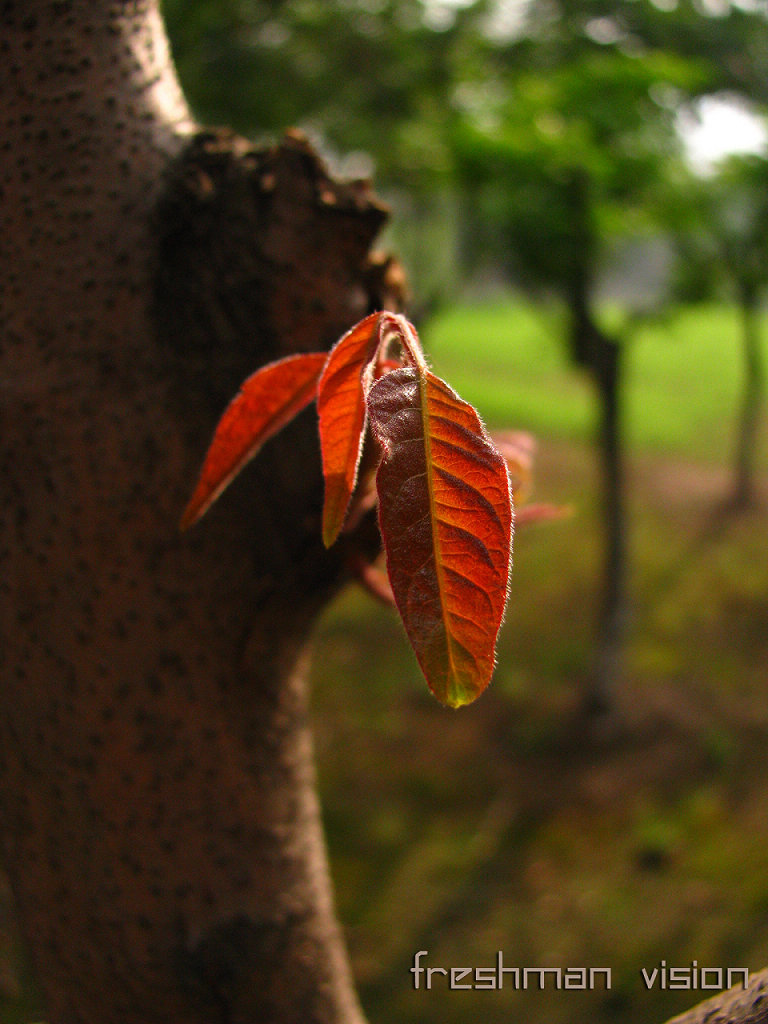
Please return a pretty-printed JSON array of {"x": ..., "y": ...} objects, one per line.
[
  {"x": 683, "y": 375},
  {"x": 514, "y": 824}
]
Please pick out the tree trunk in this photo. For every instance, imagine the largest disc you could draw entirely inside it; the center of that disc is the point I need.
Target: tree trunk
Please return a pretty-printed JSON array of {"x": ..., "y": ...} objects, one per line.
[
  {"x": 159, "y": 820},
  {"x": 612, "y": 624},
  {"x": 749, "y": 419},
  {"x": 736, "y": 1006},
  {"x": 602, "y": 357}
]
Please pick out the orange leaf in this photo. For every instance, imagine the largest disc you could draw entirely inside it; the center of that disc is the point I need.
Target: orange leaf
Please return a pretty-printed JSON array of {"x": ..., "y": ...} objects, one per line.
[
  {"x": 342, "y": 413},
  {"x": 267, "y": 401},
  {"x": 446, "y": 520}
]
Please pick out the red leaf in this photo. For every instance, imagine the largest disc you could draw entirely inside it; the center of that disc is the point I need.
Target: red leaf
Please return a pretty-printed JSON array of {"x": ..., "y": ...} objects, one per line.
[
  {"x": 342, "y": 412},
  {"x": 446, "y": 519},
  {"x": 267, "y": 401}
]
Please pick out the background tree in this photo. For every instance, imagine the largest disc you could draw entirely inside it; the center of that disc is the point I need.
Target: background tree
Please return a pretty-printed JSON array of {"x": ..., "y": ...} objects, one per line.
[
  {"x": 571, "y": 143},
  {"x": 563, "y": 166},
  {"x": 722, "y": 238},
  {"x": 728, "y": 40}
]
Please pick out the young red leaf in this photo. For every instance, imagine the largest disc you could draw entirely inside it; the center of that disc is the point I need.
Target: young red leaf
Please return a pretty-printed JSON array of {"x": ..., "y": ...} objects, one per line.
[
  {"x": 267, "y": 401},
  {"x": 342, "y": 413},
  {"x": 446, "y": 520}
]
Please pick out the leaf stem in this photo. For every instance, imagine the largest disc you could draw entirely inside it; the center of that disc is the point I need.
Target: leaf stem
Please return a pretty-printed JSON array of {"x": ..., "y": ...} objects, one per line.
[{"x": 393, "y": 324}]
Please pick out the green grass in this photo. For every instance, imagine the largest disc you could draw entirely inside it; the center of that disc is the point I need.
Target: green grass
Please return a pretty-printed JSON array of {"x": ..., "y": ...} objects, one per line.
[
  {"x": 507, "y": 359},
  {"x": 682, "y": 375}
]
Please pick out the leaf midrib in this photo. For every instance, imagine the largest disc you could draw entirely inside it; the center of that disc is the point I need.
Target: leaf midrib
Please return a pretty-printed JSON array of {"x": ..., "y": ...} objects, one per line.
[{"x": 439, "y": 574}]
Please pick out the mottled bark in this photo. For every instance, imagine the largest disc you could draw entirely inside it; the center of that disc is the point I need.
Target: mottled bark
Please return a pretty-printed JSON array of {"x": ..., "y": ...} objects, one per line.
[
  {"x": 159, "y": 820},
  {"x": 737, "y": 1006}
]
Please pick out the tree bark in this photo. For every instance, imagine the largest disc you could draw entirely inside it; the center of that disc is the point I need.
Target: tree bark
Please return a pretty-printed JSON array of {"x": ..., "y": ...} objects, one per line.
[
  {"x": 736, "y": 1006},
  {"x": 159, "y": 820}
]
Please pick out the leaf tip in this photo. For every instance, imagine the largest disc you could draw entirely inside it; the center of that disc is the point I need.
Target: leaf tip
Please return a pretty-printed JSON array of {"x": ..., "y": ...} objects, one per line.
[
  {"x": 454, "y": 703},
  {"x": 459, "y": 696},
  {"x": 189, "y": 518},
  {"x": 330, "y": 535},
  {"x": 334, "y": 508}
]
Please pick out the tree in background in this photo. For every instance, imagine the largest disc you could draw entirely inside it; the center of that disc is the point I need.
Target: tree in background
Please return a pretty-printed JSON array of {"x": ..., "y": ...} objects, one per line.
[
  {"x": 565, "y": 163},
  {"x": 722, "y": 238},
  {"x": 570, "y": 143},
  {"x": 728, "y": 40},
  {"x": 369, "y": 79}
]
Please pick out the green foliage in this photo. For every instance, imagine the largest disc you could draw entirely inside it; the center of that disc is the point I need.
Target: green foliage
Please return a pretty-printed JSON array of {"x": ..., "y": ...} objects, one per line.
[
  {"x": 566, "y": 160},
  {"x": 728, "y": 41},
  {"x": 363, "y": 75},
  {"x": 720, "y": 227}
]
